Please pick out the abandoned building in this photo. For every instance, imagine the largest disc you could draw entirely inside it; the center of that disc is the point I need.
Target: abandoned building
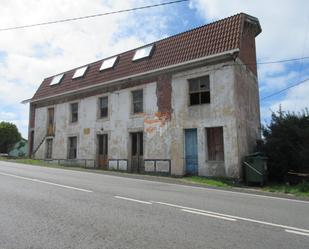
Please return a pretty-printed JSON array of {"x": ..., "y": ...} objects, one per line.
[{"x": 186, "y": 104}]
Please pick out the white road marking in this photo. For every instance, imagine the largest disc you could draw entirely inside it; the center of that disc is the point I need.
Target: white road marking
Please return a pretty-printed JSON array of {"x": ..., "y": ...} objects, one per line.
[
  {"x": 296, "y": 232},
  {"x": 176, "y": 184},
  {"x": 49, "y": 183},
  {"x": 236, "y": 217},
  {"x": 210, "y": 215},
  {"x": 130, "y": 199}
]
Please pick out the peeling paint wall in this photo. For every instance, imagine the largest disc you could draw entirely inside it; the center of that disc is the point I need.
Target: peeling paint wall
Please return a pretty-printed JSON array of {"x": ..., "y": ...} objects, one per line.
[
  {"x": 167, "y": 113},
  {"x": 220, "y": 112},
  {"x": 247, "y": 110}
]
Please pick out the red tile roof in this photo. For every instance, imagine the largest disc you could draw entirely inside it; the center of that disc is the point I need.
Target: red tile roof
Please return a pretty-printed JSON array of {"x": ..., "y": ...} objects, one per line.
[{"x": 210, "y": 39}]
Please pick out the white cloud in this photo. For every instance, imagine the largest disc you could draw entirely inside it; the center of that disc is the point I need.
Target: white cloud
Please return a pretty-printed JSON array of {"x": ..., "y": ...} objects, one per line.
[
  {"x": 35, "y": 53},
  {"x": 285, "y": 34}
]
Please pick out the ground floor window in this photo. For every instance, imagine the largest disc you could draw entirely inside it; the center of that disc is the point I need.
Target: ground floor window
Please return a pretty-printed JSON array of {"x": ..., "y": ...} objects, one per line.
[
  {"x": 49, "y": 148},
  {"x": 215, "y": 146},
  {"x": 72, "y": 148}
]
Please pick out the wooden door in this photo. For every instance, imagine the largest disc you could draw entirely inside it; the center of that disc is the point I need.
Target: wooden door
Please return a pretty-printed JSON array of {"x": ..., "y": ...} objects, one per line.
[
  {"x": 137, "y": 151},
  {"x": 102, "y": 151}
]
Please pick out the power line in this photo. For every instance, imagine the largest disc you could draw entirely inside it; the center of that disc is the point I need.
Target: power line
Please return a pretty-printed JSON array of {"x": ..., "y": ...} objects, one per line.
[
  {"x": 92, "y": 16},
  {"x": 279, "y": 61},
  {"x": 294, "y": 85}
]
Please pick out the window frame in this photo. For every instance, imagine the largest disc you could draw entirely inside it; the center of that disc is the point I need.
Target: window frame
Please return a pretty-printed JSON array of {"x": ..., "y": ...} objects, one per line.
[
  {"x": 133, "y": 102},
  {"x": 199, "y": 91},
  {"x": 71, "y": 112},
  {"x": 99, "y": 113}
]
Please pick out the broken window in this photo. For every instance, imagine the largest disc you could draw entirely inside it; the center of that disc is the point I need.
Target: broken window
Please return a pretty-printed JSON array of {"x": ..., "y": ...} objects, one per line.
[
  {"x": 74, "y": 112},
  {"x": 49, "y": 148},
  {"x": 72, "y": 148},
  {"x": 103, "y": 105},
  {"x": 199, "y": 91},
  {"x": 137, "y": 99},
  {"x": 215, "y": 144}
]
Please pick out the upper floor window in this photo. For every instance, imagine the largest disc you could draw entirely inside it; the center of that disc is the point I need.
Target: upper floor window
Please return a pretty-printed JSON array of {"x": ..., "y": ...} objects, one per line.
[
  {"x": 199, "y": 91},
  {"x": 103, "y": 105},
  {"x": 80, "y": 72},
  {"x": 56, "y": 79},
  {"x": 143, "y": 52},
  {"x": 74, "y": 112},
  {"x": 137, "y": 101}
]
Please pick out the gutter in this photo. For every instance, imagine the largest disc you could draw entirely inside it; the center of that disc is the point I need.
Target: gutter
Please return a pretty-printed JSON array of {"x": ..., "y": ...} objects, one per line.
[{"x": 179, "y": 66}]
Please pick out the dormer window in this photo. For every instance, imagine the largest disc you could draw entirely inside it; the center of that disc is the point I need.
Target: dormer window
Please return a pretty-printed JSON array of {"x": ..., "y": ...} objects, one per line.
[
  {"x": 143, "y": 52},
  {"x": 56, "y": 79},
  {"x": 108, "y": 63},
  {"x": 80, "y": 72}
]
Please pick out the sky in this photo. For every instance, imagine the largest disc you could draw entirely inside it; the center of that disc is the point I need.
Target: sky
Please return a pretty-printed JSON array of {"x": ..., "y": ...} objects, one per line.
[{"x": 27, "y": 56}]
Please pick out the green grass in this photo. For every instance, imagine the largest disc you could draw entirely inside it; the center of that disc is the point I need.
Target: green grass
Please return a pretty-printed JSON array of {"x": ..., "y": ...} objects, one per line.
[
  {"x": 214, "y": 182},
  {"x": 301, "y": 189}
]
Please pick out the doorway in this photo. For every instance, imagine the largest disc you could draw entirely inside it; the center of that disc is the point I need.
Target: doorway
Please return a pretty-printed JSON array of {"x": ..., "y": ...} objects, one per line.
[
  {"x": 102, "y": 151},
  {"x": 191, "y": 160},
  {"x": 137, "y": 151}
]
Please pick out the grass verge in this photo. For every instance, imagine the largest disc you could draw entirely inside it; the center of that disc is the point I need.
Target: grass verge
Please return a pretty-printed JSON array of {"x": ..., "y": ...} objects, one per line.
[{"x": 301, "y": 189}]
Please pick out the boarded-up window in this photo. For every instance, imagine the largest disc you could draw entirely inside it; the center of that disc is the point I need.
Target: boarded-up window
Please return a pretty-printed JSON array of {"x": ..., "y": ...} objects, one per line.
[
  {"x": 72, "y": 148},
  {"x": 215, "y": 144},
  {"x": 49, "y": 148},
  {"x": 103, "y": 102},
  {"x": 199, "y": 91},
  {"x": 137, "y": 101},
  {"x": 74, "y": 112}
]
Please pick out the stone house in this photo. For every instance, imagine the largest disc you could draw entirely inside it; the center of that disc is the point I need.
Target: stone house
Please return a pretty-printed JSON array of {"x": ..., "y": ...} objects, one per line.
[{"x": 186, "y": 104}]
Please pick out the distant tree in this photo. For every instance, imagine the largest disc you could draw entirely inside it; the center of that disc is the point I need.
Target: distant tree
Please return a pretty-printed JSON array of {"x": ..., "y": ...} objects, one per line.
[
  {"x": 287, "y": 143},
  {"x": 9, "y": 135}
]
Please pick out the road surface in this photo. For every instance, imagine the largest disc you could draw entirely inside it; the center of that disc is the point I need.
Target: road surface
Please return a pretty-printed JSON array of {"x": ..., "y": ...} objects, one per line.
[{"x": 56, "y": 208}]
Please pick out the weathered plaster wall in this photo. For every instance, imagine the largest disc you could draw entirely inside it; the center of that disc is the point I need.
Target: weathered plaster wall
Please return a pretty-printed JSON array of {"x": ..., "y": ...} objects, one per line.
[
  {"x": 119, "y": 123},
  {"x": 220, "y": 112},
  {"x": 247, "y": 110}
]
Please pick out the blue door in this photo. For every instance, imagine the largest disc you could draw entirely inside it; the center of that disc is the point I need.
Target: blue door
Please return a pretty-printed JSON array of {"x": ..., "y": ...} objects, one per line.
[{"x": 191, "y": 152}]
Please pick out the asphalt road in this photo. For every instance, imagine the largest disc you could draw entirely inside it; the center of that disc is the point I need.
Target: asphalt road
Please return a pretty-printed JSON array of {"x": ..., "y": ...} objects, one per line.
[{"x": 54, "y": 208}]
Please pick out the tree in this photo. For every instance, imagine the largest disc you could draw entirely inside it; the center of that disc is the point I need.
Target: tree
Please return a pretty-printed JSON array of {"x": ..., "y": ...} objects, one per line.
[
  {"x": 287, "y": 143},
  {"x": 9, "y": 135}
]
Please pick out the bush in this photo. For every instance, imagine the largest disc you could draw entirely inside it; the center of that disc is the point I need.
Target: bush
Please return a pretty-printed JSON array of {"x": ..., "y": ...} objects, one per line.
[{"x": 287, "y": 143}]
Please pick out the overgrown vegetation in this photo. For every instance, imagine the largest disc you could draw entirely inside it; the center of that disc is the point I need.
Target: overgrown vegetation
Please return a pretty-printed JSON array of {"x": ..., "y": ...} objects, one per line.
[
  {"x": 9, "y": 135},
  {"x": 287, "y": 144}
]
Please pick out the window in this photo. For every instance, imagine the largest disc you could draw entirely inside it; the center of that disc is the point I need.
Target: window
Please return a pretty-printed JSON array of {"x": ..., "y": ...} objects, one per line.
[
  {"x": 72, "y": 148},
  {"x": 74, "y": 112},
  {"x": 142, "y": 52},
  {"x": 51, "y": 116},
  {"x": 80, "y": 72},
  {"x": 108, "y": 63},
  {"x": 215, "y": 144},
  {"x": 137, "y": 99},
  {"x": 50, "y": 125},
  {"x": 49, "y": 148},
  {"x": 199, "y": 90},
  {"x": 103, "y": 105},
  {"x": 56, "y": 79}
]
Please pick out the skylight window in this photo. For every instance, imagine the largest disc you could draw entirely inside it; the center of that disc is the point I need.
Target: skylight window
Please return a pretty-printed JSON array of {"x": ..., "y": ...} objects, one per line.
[
  {"x": 108, "y": 63},
  {"x": 142, "y": 52},
  {"x": 80, "y": 72},
  {"x": 56, "y": 79}
]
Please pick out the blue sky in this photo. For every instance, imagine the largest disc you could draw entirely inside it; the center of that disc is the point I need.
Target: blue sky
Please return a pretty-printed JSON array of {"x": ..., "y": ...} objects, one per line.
[{"x": 27, "y": 56}]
